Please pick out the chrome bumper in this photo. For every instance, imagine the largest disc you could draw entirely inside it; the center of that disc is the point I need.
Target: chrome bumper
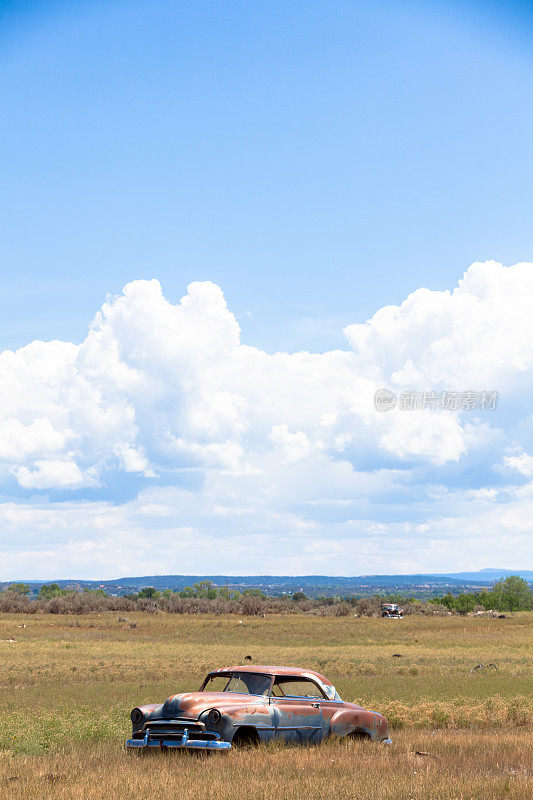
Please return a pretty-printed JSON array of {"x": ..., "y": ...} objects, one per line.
[{"x": 183, "y": 742}]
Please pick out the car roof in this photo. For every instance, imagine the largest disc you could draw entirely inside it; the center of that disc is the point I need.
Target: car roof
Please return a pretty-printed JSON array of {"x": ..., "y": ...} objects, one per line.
[{"x": 299, "y": 672}]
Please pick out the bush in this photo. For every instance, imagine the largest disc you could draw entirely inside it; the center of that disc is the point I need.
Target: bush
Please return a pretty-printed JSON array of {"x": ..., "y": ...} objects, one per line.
[
  {"x": 15, "y": 603},
  {"x": 368, "y": 607},
  {"x": 341, "y": 609},
  {"x": 298, "y": 597},
  {"x": 146, "y": 604},
  {"x": 56, "y": 605},
  {"x": 418, "y": 607},
  {"x": 252, "y": 606},
  {"x": 438, "y": 608}
]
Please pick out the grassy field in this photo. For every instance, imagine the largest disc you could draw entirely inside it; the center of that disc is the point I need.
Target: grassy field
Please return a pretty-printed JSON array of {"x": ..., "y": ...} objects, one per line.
[{"x": 68, "y": 684}]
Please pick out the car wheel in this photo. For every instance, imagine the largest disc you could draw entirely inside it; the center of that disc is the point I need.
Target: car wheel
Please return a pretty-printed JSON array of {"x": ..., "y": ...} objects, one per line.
[
  {"x": 359, "y": 736},
  {"x": 245, "y": 738}
]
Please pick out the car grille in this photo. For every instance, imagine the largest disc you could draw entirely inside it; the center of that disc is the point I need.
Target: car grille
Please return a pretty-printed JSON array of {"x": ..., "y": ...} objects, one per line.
[{"x": 162, "y": 729}]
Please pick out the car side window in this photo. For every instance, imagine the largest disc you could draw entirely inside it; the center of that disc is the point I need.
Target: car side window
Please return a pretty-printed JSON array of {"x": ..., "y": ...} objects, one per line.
[
  {"x": 296, "y": 687},
  {"x": 238, "y": 683}
]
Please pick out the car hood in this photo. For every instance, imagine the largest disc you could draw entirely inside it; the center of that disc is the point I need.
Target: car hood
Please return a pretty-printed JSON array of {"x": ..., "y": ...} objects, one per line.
[{"x": 192, "y": 704}]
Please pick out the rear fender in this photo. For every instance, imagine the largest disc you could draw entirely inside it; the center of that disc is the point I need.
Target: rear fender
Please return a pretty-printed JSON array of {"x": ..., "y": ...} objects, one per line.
[{"x": 347, "y": 721}]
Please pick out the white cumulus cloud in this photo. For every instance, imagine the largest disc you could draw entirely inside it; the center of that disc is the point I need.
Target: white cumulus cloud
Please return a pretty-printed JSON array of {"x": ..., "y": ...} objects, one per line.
[
  {"x": 164, "y": 394},
  {"x": 53, "y": 474}
]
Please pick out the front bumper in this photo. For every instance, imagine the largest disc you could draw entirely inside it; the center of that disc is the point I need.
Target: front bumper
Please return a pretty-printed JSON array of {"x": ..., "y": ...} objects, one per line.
[{"x": 182, "y": 742}]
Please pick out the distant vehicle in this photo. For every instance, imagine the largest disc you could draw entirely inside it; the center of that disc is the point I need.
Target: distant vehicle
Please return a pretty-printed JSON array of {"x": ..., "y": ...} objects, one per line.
[
  {"x": 243, "y": 706},
  {"x": 392, "y": 610}
]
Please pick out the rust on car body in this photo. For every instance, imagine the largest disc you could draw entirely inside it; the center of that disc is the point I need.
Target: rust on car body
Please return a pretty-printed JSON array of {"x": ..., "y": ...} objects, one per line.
[{"x": 252, "y": 704}]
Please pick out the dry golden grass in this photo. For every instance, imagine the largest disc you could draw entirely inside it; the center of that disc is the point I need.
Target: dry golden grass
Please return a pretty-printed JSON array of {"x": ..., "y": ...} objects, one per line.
[
  {"x": 488, "y": 765},
  {"x": 67, "y": 685}
]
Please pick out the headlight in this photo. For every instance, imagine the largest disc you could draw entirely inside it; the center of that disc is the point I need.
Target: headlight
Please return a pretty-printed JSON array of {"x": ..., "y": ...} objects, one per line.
[
  {"x": 137, "y": 716},
  {"x": 214, "y": 716}
]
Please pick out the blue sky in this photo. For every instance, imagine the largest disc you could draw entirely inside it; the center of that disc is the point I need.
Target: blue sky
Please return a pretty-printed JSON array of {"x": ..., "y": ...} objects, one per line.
[{"x": 317, "y": 162}]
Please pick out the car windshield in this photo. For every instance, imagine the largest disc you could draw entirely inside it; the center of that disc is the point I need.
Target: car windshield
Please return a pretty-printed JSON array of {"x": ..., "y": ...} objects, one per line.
[{"x": 238, "y": 683}]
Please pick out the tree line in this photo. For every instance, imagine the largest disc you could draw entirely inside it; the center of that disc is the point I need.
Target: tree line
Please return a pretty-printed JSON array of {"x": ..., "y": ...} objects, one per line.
[{"x": 509, "y": 594}]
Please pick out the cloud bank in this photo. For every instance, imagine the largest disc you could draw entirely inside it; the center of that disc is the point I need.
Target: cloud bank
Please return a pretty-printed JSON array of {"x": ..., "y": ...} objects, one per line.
[{"x": 163, "y": 443}]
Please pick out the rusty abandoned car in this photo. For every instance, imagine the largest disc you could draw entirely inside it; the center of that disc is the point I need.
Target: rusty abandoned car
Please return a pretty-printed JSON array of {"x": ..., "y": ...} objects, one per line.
[
  {"x": 392, "y": 611},
  {"x": 243, "y": 706}
]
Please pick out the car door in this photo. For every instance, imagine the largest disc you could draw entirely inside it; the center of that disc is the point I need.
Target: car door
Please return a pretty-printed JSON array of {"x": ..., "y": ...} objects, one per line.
[
  {"x": 297, "y": 716},
  {"x": 329, "y": 709}
]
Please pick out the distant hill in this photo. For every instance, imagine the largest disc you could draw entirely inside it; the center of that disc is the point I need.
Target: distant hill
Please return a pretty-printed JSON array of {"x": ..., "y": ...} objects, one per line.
[
  {"x": 492, "y": 574},
  {"x": 313, "y": 585}
]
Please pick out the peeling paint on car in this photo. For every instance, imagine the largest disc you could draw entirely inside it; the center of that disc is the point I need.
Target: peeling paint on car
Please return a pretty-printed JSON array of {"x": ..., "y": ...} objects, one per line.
[{"x": 213, "y": 720}]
